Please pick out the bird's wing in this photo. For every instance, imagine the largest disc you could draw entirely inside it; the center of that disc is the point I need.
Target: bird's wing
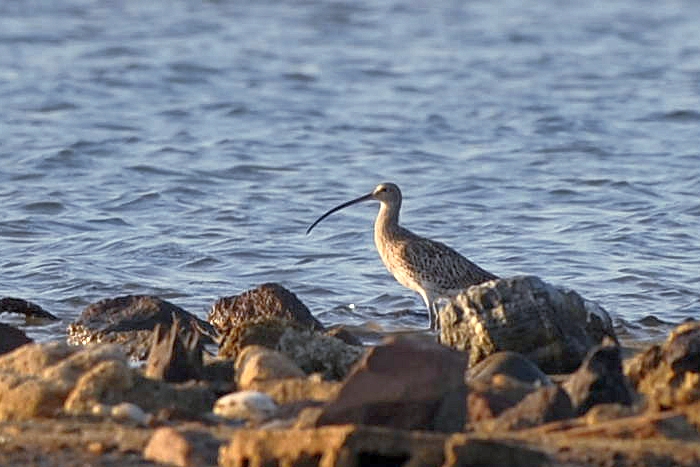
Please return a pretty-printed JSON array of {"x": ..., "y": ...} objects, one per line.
[{"x": 441, "y": 265}]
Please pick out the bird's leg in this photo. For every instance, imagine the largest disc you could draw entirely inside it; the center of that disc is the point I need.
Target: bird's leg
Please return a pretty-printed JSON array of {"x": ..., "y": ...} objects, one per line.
[{"x": 432, "y": 313}]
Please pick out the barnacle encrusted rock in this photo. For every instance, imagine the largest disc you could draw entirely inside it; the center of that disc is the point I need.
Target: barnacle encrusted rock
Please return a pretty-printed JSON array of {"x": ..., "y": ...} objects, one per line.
[{"x": 552, "y": 327}]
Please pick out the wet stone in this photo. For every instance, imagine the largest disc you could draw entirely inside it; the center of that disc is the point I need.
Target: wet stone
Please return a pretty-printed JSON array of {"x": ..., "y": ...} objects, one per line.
[
  {"x": 130, "y": 321},
  {"x": 11, "y": 338},
  {"x": 30, "y": 310}
]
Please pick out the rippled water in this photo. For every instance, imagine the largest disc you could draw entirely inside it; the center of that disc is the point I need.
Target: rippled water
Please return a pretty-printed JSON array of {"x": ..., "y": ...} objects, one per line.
[{"x": 181, "y": 149}]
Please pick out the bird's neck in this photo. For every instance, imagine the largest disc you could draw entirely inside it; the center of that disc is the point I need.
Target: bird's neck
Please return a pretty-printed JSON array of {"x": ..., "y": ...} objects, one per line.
[{"x": 387, "y": 223}]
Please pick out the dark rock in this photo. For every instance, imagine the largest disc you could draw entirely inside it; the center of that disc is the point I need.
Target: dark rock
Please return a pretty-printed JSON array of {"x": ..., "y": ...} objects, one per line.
[
  {"x": 406, "y": 383},
  {"x": 28, "y": 309},
  {"x": 176, "y": 354},
  {"x": 553, "y": 328},
  {"x": 341, "y": 332},
  {"x": 130, "y": 321},
  {"x": 11, "y": 338},
  {"x": 546, "y": 404},
  {"x": 266, "y": 301},
  {"x": 599, "y": 380},
  {"x": 488, "y": 399},
  {"x": 511, "y": 364},
  {"x": 669, "y": 374}
]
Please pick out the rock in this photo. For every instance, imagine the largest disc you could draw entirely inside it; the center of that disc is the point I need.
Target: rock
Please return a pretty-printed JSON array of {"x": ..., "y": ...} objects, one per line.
[
  {"x": 488, "y": 399},
  {"x": 669, "y": 374},
  {"x": 128, "y": 412},
  {"x": 511, "y": 364},
  {"x": 599, "y": 380},
  {"x": 461, "y": 452},
  {"x": 340, "y": 446},
  {"x": 553, "y": 328},
  {"x": 257, "y": 363},
  {"x": 106, "y": 383},
  {"x": 252, "y": 406},
  {"x": 312, "y": 351},
  {"x": 293, "y": 390},
  {"x": 405, "y": 383},
  {"x": 544, "y": 405},
  {"x": 43, "y": 380},
  {"x": 175, "y": 354},
  {"x": 341, "y": 332},
  {"x": 11, "y": 338},
  {"x": 182, "y": 448},
  {"x": 30, "y": 310},
  {"x": 266, "y": 301},
  {"x": 130, "y": 321}
]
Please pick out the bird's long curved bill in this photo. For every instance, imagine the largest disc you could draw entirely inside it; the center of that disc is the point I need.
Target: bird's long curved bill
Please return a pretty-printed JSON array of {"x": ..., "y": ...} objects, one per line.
[{"x": 366, "y": 197}]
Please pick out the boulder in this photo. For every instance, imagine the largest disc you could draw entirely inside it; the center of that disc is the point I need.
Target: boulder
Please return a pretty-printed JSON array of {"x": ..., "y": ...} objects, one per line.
[
  {"x": 31, "y": 311},
  {"x": 668, "y": 374},
  {"x": 295, "y": 390},
  {"x": 182, "y": 448},
  {"x": 265, "y": 301},
  {"x": 552, "y": 327},
  {"x": 130, "y": 321},
  {"x": 544, "y": 405},
  {"x": 599, "y": 380},
  {"x": 257, "y": 363},
  {"x": 406, "y": 383},
  {"x": 311, "y": 350},
  {"x": 511, "y": 364},
  {"x": 43, "y": 380},
  {"x": 11, "y": 338}
]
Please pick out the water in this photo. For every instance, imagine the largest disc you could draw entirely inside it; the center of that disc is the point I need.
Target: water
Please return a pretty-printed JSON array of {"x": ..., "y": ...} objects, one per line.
[{"x": 182, "y": 148}]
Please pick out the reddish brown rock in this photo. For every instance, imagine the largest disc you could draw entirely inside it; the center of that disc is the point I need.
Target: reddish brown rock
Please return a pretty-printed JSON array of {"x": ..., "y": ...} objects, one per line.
[
  {"x": 405, "y": 383},
  {"x": 546, "y": 404},
  {"x": 182, "y": 448},
  {"x": 668, "y": 374}
]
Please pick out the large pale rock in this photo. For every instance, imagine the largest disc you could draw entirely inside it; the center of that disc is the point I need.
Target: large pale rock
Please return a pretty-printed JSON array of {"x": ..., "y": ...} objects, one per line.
[
  {"x": 553, "y": 328},
  {"x": 130, "y": 321},
  {"x": 265, "y": 301},
  {"x": 406, "y": 383},
  {"x": 668, "y": 374},
  {"x": 294, "y": 390}
]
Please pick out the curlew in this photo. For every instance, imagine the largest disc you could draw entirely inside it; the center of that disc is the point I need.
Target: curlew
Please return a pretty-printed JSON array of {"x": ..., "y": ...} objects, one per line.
[{"x": 430, "y": 268}]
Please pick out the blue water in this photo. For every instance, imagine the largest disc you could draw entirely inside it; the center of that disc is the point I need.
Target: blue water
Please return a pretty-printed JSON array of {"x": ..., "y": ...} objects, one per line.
[{"x": 182, "y": 148}]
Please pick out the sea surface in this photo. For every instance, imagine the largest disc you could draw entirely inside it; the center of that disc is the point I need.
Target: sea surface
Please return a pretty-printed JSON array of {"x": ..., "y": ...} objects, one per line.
[{"x": 181, "y": 148}]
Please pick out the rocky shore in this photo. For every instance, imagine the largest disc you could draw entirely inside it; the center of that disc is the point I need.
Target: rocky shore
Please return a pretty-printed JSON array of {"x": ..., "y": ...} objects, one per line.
[{"x": 521, "y": 373}]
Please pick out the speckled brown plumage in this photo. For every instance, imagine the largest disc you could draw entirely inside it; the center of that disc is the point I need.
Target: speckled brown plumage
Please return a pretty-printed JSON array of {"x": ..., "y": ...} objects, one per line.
[{"x": 430, "y": 268}]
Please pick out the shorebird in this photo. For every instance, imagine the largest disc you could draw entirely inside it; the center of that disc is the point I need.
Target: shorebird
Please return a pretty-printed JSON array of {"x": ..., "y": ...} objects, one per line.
[{"x": 431, "y": 268}]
